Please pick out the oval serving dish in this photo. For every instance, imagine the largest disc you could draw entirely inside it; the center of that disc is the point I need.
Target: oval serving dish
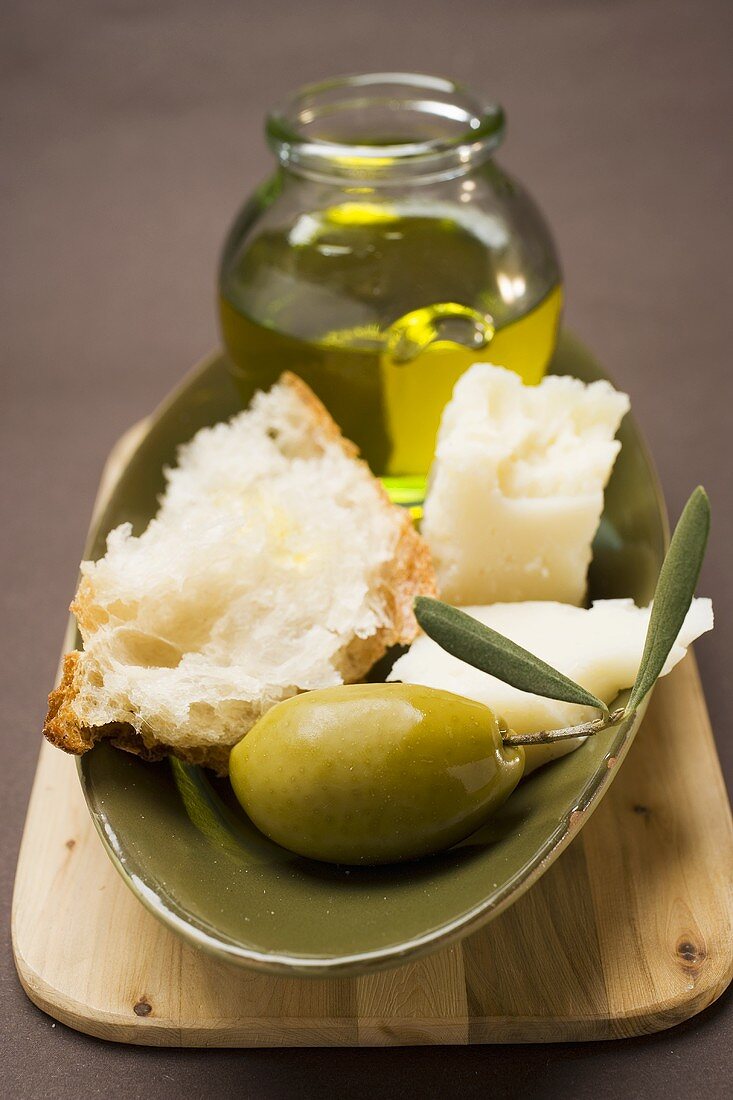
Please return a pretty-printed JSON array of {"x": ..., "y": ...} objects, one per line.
[{"x": 188, "y": 852}]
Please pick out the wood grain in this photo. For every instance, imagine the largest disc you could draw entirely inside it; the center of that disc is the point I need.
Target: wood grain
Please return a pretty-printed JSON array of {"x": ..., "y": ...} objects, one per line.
[{"x": 630, "y": 931}]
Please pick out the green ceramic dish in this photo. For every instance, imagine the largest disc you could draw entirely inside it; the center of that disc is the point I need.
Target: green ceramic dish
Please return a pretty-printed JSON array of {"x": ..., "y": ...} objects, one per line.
[{"x": 184, "y": 847}]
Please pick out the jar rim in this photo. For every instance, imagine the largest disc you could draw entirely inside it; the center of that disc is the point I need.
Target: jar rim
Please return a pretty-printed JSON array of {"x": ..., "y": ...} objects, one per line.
[{"x": 336, "y": 128}]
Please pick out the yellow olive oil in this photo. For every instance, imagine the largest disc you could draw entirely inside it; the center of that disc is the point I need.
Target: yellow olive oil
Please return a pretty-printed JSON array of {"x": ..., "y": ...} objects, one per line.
[{"x": 380, "y": 308}]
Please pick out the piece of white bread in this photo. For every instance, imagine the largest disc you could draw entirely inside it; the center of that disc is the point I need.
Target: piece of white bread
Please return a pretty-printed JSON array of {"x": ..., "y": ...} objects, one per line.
[
  {"x": 276, "y": 564},
  {"x": 599, "y": 647},
  {"x": 516, "y": 490}
]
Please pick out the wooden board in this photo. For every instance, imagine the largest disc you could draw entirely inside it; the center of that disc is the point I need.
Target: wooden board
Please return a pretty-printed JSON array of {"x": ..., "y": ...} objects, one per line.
[{"x": 629, "y": 932}]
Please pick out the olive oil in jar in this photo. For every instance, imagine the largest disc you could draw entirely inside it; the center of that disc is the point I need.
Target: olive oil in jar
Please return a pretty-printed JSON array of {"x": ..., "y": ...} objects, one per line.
[{"x": 380, "y": 308}]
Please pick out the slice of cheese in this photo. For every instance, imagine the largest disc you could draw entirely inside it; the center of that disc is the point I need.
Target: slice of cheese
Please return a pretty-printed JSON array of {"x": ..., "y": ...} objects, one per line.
[
  {"x": 516, "y": 490},
  {"x": 600, "y": 648}
]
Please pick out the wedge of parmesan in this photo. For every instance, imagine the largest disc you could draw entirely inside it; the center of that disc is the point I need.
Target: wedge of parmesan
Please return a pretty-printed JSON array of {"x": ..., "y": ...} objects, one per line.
[
  {"x": 516, "y": 490},
  {"x": 600, "y": 648}
]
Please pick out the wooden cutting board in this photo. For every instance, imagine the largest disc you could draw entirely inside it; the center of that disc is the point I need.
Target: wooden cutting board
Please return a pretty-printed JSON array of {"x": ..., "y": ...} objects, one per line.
[{"x": 630, "y": 931}]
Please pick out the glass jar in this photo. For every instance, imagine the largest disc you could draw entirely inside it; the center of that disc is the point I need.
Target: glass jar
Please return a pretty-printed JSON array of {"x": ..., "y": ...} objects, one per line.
[{"x": 386, "y": 254}]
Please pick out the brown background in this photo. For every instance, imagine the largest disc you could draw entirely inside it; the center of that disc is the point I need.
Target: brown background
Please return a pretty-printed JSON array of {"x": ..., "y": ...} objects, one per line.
[{"x": 131, "y": 132}]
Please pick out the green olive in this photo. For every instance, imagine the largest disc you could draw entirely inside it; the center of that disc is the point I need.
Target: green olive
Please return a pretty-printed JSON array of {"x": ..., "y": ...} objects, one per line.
[{"x": 373, "y": 773}]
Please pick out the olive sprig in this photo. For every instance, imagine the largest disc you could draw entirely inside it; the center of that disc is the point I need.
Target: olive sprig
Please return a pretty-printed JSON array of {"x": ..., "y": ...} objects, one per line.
[{"x": 483, "y": 648}]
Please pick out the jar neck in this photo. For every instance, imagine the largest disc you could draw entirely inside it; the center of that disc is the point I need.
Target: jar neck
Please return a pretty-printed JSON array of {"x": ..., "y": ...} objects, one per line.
[{"x": 383, "y": 129}]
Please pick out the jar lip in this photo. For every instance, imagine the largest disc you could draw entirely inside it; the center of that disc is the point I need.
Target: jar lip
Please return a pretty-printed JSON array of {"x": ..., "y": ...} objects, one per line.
[{"x": 331, "y": 128}]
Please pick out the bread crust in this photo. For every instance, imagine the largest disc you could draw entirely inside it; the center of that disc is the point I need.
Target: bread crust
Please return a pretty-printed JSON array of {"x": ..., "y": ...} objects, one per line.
[
  {"x": 410, "y": 569},
  {"x": 409, "y": 572},
  {"x": 62, "y": 727},
  {"x": 64, "y": 730},
  {"x": 319, "y": 414}
]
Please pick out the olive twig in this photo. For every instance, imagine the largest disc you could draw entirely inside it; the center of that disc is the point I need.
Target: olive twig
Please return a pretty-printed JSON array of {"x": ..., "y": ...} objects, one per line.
[{"x": 547, "y": 737}]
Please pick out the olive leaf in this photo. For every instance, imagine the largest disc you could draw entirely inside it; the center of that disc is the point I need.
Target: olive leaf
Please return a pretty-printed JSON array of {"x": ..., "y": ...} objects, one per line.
[
  {"x": 673, "y": 594},
  {"x": 478, "y": 645}
]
